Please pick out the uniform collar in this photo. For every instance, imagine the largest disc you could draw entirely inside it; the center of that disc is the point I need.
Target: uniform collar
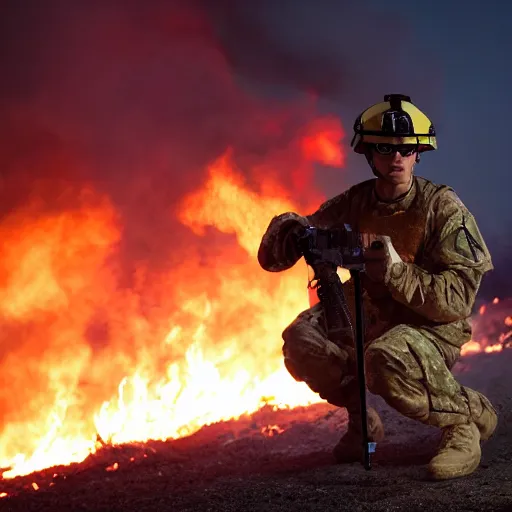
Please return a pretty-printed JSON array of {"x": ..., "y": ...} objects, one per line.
[{"x": 400, "y": 203}]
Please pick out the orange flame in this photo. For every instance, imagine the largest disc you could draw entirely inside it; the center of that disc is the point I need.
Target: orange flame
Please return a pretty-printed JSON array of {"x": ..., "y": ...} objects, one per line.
[
  {"x": 493, "y": 322},
  {"x": 208, "y": 351},
  {"x": 113, "y": 467},
  {"x": 323, "y": 143},
  {"x": 271, "y": 430}
]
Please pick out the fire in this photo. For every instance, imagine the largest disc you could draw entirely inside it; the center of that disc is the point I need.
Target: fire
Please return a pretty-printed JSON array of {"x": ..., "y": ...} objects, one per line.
[
  {"x": 323, "y": 144},
  {"x": 271, "y": 430},
  {"x": 43, "y": 262},
  {"x": 93, "y": 362},
  {"x": 491, "y": 327},
  {"x": 113, "y": 467}
]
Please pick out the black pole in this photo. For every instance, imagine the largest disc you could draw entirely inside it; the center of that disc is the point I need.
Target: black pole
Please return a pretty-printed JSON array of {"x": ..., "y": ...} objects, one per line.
[{"x": 359, "y": 342}]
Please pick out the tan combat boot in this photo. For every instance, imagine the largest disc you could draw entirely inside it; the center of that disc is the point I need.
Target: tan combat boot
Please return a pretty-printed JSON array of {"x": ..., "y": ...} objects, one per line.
[
  {"x": 482, "y": 413},
  {"x": 349, "y": 448},
  {"x": 459, "y": 453}
]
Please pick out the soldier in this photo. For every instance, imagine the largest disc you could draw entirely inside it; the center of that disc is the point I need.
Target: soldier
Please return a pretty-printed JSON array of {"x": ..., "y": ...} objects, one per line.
[{"x": 419, "y": 291}]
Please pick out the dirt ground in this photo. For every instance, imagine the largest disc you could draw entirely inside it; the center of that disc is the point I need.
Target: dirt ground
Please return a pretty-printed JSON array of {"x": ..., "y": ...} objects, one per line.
[{"x": 251, "y": 465}]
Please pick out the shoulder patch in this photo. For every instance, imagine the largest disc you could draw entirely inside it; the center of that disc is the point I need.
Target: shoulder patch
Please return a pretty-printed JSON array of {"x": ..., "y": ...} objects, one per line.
[{"x": 468, "y": 242}]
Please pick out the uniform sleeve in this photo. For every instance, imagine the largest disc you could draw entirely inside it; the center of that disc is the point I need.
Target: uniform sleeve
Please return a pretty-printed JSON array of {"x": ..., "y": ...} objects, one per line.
[
  {"x": 456, "y": 250},
  {"x": 278, "y": 250}
]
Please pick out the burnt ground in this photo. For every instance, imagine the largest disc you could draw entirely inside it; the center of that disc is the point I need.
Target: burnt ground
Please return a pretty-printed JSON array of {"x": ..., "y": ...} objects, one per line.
[{"x": 233, "y": 466}]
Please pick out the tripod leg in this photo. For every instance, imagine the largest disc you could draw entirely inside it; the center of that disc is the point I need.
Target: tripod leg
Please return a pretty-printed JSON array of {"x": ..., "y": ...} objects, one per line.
[{"x": 368, "y": 447}]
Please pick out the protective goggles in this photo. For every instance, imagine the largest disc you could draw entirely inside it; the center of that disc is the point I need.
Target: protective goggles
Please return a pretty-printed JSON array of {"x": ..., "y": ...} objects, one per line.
[{"x": 391, "y": 149}]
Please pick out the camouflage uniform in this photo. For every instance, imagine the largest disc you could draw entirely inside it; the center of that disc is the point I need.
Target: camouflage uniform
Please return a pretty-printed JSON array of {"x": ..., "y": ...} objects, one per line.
[{"x": 416, "y": 321}]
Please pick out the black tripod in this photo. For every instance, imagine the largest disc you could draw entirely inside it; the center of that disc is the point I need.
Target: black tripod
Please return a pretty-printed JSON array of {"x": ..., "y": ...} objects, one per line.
[
  {"x": 368, "y": 447},
  {"x": 325, "y": 255}
]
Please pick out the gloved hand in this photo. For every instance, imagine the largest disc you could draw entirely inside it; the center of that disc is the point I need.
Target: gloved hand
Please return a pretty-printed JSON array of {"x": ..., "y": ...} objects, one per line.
[{"x": 379, "y": 258}]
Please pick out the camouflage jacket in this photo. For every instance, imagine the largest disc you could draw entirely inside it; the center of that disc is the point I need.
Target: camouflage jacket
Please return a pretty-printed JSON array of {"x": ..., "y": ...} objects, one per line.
[{"x": 443, "y": 253}]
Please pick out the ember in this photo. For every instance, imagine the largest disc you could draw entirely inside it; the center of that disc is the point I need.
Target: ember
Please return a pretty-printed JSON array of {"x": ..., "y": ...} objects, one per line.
[
  {"x": 491, "y": 328},
  {"x": 271, "y": 430}
]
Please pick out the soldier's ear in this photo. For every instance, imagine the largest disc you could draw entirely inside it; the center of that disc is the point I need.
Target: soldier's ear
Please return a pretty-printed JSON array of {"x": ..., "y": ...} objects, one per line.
[{"x": 418, "y": 158}]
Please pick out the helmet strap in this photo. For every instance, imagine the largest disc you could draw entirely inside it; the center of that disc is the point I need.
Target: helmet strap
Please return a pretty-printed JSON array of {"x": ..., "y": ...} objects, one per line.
[
  {"x": 418, "y": 150},
  {"x": 369, "y": 159}
]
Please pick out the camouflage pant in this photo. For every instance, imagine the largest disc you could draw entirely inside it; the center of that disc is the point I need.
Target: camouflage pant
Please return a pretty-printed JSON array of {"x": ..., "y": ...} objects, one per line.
[{"x": 403, "y": 366}]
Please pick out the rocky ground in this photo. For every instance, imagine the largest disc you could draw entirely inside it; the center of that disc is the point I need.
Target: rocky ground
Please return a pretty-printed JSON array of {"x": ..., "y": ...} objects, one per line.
[{"x": 280, "y": 460}]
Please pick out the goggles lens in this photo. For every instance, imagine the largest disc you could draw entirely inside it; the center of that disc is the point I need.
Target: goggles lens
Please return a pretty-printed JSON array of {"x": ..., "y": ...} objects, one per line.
[{"x": 391, "y": 149}]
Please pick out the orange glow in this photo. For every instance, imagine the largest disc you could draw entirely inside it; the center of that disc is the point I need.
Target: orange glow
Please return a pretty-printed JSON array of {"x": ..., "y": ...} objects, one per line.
[
  {"x": 491, "y": 328},
  {"x": 93, "y": 364},
  {"x": 323, "y": 143},
  {"x": 271, "y": 430},
  {"x": 113, "y": 467}
]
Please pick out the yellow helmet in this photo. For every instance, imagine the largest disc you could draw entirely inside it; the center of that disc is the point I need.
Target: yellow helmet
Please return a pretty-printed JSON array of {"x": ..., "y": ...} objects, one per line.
[{"x": 394, "y": 121}]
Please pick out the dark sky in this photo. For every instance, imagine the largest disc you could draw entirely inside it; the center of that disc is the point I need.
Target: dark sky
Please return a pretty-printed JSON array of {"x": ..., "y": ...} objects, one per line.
[{"x": 451, "y": 57}]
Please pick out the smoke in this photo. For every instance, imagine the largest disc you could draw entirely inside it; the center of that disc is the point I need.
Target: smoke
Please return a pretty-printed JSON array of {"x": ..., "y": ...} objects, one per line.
[
  {"x": 140, "y": 98},
  {"x": 134, "y": 99},
  {"x": 350, "y": 52}
]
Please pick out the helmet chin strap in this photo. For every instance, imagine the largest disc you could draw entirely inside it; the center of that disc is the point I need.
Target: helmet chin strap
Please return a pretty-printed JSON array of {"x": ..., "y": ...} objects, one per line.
[{"x": 369, "y": 159}]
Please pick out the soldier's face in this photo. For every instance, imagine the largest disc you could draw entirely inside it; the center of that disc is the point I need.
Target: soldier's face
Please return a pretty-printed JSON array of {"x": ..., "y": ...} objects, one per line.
[{"x": 395, "y": 163}]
